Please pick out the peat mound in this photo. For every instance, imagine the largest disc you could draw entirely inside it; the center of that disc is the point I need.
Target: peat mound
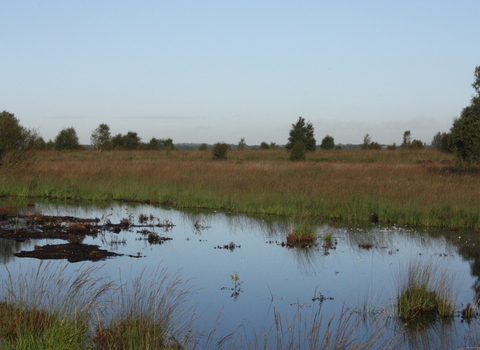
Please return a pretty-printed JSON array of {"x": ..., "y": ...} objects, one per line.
[{"x": 70, "y": 251}]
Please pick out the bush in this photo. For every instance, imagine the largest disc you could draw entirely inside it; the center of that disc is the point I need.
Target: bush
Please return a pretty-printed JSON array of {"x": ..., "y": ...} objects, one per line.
[
  {"x": 264, "y": 145},
  {"x": 220, "y": 150},
  {"x": 67, "y": 140},
  {"x": 416, "y": 145},
  {"x": 298, "y": 152},
  {"x": 328, "y": 143}
]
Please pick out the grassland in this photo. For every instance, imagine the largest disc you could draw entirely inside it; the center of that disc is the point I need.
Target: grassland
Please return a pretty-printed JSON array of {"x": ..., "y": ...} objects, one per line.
[{"x": 419, "y": 188}]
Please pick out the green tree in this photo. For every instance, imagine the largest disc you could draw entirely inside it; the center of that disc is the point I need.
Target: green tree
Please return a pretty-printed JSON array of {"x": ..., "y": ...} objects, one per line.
[
  {"x": 131, "y": 140},
  {"x": 302, "y": 132},
  {"x": 392, "y": 147},
  {"x": 476, "y": 82},
  {"x": 264, "y": 145},
  {"x": 368, "y": 144},
  {"x": 16, "y": 142},
  {"x": 101, "y": 137},
  {"x": 298, "y": 151},
  {"x": 241, "y": 144},
  {"x": 465, "y": 135},
  {"x": 328, "y": 143},
  {"x": 220, "y": 151},
  {"x": 40, "y": 144},
  {"x": 465, "y": 131},
  {"x": 273, "y": 145},
  {"x": 407, "y": 139},
  {"x": 203, "y": 147},
  {"x": 366, "y": 141},
  {"x": 67, "y": 140},
  {"x": 441, "y": 141},
  {"x": 168, "y": 144},
  {"x": 153, "y": 145},
  {"x": 416, "y": 145},
  {"x": 117, "y": 142}
]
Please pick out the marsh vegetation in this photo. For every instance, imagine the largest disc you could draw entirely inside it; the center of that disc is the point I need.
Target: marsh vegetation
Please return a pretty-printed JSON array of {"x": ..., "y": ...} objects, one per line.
[{"x": 402, "y": 187}]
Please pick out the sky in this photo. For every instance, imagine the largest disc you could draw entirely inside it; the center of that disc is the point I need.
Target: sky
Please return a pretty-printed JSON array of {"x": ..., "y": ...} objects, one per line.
[{"x": 217, "y": 71}]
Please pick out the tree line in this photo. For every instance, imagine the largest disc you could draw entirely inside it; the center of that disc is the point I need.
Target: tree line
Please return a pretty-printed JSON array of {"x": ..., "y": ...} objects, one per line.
[{"x": 463, "y": 138}]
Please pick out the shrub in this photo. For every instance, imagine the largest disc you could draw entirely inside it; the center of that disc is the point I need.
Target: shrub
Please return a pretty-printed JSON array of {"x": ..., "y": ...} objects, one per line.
[
  {"x": 220, "y": 150},
  {"x": 416, "y": 145},
  {"x": 264, "y": 145},
  {"x": 328, "y": 143},
  {"x": 67, "y": 139}
]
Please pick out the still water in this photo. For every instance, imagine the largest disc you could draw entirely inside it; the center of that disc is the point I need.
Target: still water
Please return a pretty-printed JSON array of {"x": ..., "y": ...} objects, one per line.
[{"x": 243, "y": 275}]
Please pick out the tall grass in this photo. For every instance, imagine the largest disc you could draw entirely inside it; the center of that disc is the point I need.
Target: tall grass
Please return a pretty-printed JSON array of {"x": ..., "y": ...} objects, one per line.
[
  {"x": 350, "y": 185},
  {"x": 148, "y": 314},
  {"x": 53, "y": 308},
  {"x": 425, "y": 291},
  {"x": 49, "y": 309}
]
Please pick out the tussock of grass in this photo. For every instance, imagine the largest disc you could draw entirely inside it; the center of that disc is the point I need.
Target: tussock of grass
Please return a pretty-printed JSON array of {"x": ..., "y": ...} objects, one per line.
[
  {"x": 350, "y": 185},
  {"x": 303, "y": 236},
  {"x": 425, "y": 291}
]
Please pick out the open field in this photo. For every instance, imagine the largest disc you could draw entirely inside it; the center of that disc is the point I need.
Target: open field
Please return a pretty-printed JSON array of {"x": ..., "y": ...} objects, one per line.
[{"x": 401, "y": 187}]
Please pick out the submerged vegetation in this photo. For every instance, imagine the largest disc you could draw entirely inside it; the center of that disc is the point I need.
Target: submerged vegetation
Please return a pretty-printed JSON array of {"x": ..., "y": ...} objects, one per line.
[{"x": 401, "y": 187}]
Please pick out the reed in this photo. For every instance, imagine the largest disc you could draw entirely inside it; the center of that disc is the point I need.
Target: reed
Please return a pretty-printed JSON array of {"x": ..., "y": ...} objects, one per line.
[{"x": 397, "y": 187}]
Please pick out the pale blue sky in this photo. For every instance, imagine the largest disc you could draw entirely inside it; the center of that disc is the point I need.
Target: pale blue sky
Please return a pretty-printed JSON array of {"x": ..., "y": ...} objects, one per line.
[{"x": 210, "y": 71}]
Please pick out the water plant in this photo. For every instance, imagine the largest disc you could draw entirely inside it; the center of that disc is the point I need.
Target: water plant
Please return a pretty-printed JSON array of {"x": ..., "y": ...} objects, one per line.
[{"x": 236, "y": 286}]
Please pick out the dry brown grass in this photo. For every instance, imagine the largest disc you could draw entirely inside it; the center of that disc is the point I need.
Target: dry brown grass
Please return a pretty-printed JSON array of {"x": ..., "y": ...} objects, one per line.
[{"x": 399, "y": 186}]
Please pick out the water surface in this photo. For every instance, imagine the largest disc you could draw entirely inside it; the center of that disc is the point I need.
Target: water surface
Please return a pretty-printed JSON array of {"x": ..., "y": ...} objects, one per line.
[{"x": 273, "y": 278}]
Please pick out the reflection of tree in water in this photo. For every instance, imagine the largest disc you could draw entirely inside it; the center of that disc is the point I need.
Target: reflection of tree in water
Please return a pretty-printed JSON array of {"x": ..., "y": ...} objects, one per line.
[
  {"x": 9, "y": 246},
  {"x": 467, "y": 245},
  {"x": 469, "y": 249}
]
